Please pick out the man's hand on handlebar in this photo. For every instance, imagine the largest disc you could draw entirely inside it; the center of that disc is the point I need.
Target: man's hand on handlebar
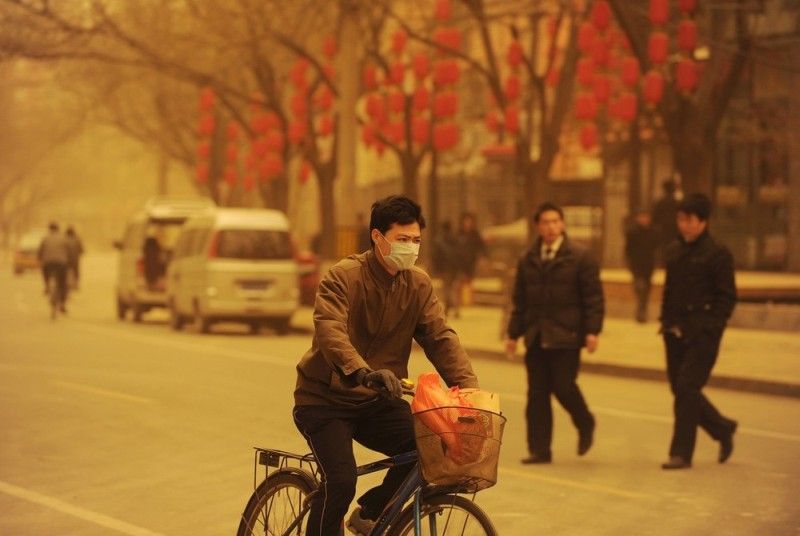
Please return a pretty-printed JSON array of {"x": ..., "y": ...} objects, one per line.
[{"x": 384, "y": 381}]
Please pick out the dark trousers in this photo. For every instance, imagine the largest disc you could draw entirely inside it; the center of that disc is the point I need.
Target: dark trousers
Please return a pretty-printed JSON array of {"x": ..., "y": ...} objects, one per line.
[
  {"x": 552, "y": 372},
  {"x": 59, "y": 272},
  {"x": 382, "y": 425},
  {"x": 689, "y": 364},
  {"x": 641, "y": 286}
]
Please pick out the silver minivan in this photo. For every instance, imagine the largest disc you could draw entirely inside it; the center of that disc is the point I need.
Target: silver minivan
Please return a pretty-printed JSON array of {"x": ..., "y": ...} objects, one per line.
[
  {"x": 145, "y": 251},
  {"x": 234, "y": 264}
]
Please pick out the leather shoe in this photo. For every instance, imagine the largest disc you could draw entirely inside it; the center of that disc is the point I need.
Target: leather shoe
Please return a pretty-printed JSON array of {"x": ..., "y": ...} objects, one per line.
[
  {"x": 726, "y": 444},
  {"x": 585, "y": 440},
  {"x": 536, "y": 459},
  {"x": 676, "y": 462}
]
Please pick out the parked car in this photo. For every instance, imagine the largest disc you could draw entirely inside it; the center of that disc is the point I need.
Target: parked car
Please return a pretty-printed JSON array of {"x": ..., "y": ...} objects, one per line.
[
  {"x": 234, "y": 265},
  {"x": 146, "y": 250},
  {"x": 26, "y": 254}
]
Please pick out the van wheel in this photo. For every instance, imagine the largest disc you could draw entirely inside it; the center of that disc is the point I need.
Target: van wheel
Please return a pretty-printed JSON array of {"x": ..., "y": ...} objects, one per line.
[
  {"x": 138, "y": 311},
  {"x": 282, "y": 326},
  {"x": 175, "y": 318},
  {"x": 201, "y": 323},
  {"x": 122, "y": 309}
]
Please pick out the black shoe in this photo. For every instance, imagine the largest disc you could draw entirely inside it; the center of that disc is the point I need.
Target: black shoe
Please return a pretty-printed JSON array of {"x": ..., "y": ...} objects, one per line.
[
  {"x": 726, "y": 444},
  {"x": 585, "y": 440},
  {"x": 676, "y": 462},
  {"x": 536, "y": 459}
]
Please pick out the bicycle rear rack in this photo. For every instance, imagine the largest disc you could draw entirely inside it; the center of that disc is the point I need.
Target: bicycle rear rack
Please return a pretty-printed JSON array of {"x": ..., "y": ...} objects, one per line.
[{"x": 280, "y": 459}]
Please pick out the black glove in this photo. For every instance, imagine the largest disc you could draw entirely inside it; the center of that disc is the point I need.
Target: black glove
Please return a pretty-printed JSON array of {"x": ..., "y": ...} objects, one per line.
[{"x": 384, "y": 381}]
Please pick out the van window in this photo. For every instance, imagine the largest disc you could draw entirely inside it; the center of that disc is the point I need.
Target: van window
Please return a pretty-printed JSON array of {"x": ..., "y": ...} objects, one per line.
[{"x": 253, "y": 244}]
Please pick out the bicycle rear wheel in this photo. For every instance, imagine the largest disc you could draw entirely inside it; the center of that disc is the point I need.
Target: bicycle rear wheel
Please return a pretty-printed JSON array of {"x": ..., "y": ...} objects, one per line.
[
  {"x": 54, "y": 296},
  {"x": 445, "y": 515},
  {"x": 276, "y": 505}
]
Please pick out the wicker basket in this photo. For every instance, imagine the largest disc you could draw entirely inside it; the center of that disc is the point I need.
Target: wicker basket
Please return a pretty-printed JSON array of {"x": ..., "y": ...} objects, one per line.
[{"x": 466, "y": 456}]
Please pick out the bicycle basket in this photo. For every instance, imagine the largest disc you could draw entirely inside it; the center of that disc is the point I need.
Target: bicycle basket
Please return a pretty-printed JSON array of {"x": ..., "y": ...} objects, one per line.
[{"x": 459, "y": 446}]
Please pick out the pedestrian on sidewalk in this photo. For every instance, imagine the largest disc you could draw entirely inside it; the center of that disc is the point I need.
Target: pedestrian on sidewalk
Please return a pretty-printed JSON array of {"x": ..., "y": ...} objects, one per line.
[
  {"x": 445, "y": 257},
  {"x": 471, "y": 247},
  {"x": 641, "y": 243},
  {"x": 558, "y": 307},
  {"x": 699, "y": 296},
  {"x": 75, "y": 252},
  {"x": 664, "y": 212}
]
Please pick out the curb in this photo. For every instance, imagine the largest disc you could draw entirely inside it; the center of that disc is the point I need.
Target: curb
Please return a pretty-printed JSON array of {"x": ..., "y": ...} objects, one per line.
[{"x": 731, "y": 383}]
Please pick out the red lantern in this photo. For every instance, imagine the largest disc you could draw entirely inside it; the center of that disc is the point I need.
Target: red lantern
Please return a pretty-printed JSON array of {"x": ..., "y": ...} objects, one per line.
[
  {"x": 324, "y": 98},
  {"x": 588, "y": 136},
  {"x": 601, "y": 14},
  {"x": 368, "y": 134},
  {"x": 232, "y": 130},
  {"x": 586, "y": 37},
  {"x": 687, "y": 6},
  {"x": 399, "y": 40},
  {"x": 231, "y": 153},
  {"x": 653, "y": 89},
  {"x": 447, "y": 38},
  {"x": 600, "y": 52},
  {"x": 443, "y": 10},
  {"x": 585, "y": 71},
  {"x": 298, "y": 73},
  {"x": 445, "y": 136},
  {"x": 369, "y": 77},
  {"x": 376, "y": 108},
  {"x": 491, "y": 122},
  {"x": 657, "y": 47},
  {"x": 230, "y": 176},
  {"x": 601, "y": 88},
  {"x": 271, "y": 167},
  {"x": 659, "y": 11},
  {"x": 445, "y": 72},
  {"x": 299, "y": 105},
  {"x": 264, "y": 122},
  {"x": 273, "y": 141},
  {"x": 251, "y": 161},
  {"x": 628, "y": 106},
  {"x": 329, "y": 47},
  {"x": 585, "y": 106},
  {"x": 297, "y": 132},
  {"x": 207, "y": 125},
  {"x": 420, "y": 130},
  {"x": 394, "y": 132},
  {"x": 514, "y": 56},
  {"x": 397, "y": 72},
  {"x": 397, "y": 102},
  {"x": 421, "y": 99},
  {"x": 325, "y": 125},
  {"x": 330, "y": 72},
  {"x": 686, "y": 75},
  {"x": 513, "y": 87},
  {"x": 249, "y": 182},
  {"x": 630, "y": 71},
  {"x": 421, "y": 65},
  {"x": 445, "y": 104},
  {"x": 304, "y": 172},
  {"x": 201, "y": 174},
  {"x": 687, "y": 35},
  {"x": 207, "y": 99},
  {"x": 512, "y": 120},
  {"x": 260, "y": 147},
  {"x": 203, "y": 150}
]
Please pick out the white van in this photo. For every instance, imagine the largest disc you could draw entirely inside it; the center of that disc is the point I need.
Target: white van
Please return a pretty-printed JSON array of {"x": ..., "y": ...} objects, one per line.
[
  {"x": 234, "y": 264},
  {"x": 146, "y": 249}
]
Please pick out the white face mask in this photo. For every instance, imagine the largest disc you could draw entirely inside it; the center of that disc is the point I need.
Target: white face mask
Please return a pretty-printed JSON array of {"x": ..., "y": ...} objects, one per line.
[{"x": 403, "y": 255}]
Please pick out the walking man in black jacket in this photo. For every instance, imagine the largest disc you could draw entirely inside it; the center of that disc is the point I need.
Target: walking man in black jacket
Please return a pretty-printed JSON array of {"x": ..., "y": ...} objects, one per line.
[
  {"x": 558, "y": 308},
  {"x": 699, "y": 296}
]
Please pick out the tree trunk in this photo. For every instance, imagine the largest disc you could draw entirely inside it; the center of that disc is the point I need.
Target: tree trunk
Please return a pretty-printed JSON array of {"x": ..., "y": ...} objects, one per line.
[
  {"x": 409, "y": 168},
  {"x": 327, "y": 212},
  {"x": 433, "y": 197}
]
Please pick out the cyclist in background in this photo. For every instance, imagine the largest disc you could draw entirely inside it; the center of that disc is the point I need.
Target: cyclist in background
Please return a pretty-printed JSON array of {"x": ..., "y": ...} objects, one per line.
[
  {"x": 368, "y": 309},
  {"x": 54, "y": 258}
]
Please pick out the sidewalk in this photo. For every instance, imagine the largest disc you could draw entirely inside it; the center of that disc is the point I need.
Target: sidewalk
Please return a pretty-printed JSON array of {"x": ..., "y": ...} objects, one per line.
[
  {"x": 765, "y": 362},
  {"x": 749, "y": 360}
]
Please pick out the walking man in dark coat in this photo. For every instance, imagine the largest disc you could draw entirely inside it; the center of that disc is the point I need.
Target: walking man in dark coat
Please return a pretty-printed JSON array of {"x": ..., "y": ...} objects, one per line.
[
  {"x": 558, "y": 308},
  {"x": 641, "y": 243},
  {"x": 699, "y": 296}
]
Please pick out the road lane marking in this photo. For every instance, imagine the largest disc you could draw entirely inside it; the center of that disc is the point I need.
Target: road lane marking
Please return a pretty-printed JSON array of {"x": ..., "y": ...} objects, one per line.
[
  {"x": 594, "y": 488},
  {"x": 663, "y": 419},
  {"x": 102, "y": 392},
  {"x": 75, "y": 511}
]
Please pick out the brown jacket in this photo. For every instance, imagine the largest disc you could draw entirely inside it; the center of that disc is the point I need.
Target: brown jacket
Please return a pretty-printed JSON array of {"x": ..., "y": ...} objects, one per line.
[{"x": 364, "y": 317}]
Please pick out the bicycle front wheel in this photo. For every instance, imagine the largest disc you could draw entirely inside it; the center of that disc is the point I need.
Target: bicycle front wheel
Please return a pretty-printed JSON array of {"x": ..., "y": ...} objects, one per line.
[
  {"x": 445, "y": 515},
  {"x": 276, "y": 506}
]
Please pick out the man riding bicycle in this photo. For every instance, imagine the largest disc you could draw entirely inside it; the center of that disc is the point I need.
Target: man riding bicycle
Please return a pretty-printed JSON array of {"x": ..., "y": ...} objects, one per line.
[
  {"x": 54, "y": 255},
  {"x": 368, "y": 309}
]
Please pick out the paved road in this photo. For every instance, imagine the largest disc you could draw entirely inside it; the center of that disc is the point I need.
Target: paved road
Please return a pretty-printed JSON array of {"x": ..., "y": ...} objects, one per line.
[{"x": 113, "y": 428}]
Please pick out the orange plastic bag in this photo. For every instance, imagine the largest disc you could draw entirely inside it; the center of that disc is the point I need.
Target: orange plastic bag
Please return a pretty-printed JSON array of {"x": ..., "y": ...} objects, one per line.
[{"x": 447, "y": 413}]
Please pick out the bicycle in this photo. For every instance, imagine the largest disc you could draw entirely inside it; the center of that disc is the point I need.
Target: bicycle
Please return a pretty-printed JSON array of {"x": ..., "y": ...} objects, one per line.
[
  {"x": 54, "y": 296},
  {"x": 280, "y": 503}
]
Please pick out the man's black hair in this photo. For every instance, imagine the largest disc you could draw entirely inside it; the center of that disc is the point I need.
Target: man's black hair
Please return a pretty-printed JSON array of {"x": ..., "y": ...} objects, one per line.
[
  {"x": 546, "y": 207},
  {"x": 697, "y": 204},
  {"x": 395, "y": 209}
]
